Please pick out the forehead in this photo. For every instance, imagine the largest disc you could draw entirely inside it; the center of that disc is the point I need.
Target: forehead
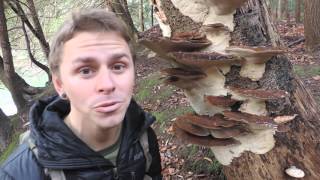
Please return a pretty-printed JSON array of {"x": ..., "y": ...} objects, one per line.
[{"x": 95, "y": 44}]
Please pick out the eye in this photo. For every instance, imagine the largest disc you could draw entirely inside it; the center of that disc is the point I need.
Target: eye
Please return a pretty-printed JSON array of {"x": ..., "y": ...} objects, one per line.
[
  {"x": 86, "y": 71},
  {"x": 118, "y": 67}
]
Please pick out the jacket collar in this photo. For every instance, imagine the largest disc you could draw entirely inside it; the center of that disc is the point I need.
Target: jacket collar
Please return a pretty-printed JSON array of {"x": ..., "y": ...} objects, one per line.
[{"x": 59, "y": 148}]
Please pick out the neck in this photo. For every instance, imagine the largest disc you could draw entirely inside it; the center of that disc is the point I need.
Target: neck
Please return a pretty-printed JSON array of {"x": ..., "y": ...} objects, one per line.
[{"x": 95, "y": 137}]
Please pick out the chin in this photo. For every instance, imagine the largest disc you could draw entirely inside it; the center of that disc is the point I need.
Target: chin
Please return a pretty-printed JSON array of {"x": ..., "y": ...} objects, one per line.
[{"x": 110, "y": 121}]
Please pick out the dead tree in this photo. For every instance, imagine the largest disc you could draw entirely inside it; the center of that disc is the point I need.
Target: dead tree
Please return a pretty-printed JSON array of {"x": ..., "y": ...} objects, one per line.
[{"x": 254, "y": 114}]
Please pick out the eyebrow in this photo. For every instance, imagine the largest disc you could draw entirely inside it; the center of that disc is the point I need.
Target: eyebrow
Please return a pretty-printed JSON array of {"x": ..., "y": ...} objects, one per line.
[{"x": 88, "y": 59}]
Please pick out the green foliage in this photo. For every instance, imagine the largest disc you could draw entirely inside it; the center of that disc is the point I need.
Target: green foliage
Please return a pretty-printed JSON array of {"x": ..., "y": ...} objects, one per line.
[
  {"x": 12, "y": 146},
  {"x": 307, "y": 70},
  {"x": 144, "y": 89},
  {"x": 205, "y": 162}
]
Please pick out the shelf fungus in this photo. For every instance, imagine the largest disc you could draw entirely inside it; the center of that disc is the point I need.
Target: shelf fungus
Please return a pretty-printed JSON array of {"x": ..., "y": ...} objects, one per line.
[
  {"x": 221, "y": 101},
  {"x": 208, "y": 141},
  {"x": 182, "y": 78},
  {"x": 256, "y": 122},
  {"x": 207, "y": 122},
  {"x": 204, "y": 60},
  {"x": 254, "y": 99},
  {"x": 163, "y": 45},
  {"x": 255, "y": 59}
]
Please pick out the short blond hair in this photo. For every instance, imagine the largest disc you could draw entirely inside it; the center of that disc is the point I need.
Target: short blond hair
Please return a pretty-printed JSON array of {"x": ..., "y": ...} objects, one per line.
[{"x": 85, "y": 20}]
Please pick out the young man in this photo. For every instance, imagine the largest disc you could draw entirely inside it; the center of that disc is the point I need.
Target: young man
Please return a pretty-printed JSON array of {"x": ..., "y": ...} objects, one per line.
[{"x": 93, "y": 129}]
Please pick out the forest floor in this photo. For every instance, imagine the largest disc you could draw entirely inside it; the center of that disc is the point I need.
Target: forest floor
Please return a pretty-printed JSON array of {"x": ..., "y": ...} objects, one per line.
[{"x": 167, "y": 102}]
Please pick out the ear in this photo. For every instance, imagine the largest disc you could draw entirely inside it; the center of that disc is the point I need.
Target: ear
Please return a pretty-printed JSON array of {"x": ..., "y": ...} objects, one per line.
[{"x": 57, "y": 83}]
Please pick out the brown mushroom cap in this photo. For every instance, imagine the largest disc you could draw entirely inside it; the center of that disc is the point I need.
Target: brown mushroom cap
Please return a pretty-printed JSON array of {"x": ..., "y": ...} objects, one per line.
[
  {"x": 208, "y": 141},
  {"x": 191, "y": 128},
  {"x": 250, "y": 119},
  {"x": 203, "y": 59},
  {"x": 215, "y": 122},
  {"x": 221, "y": 101},
  {"x": 260, "y": 93},
  {"x": 258, "y": 55},
  {"x": 153, "y": 39},
  {"x": 187, "y": 74}
]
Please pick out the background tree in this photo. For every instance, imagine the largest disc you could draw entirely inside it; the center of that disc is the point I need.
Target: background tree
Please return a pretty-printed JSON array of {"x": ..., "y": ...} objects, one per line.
[
  {"x": 312, "y": 26},
  {"x": 253, "y": 28},
  {"x": 5, "y": 130},
  {"x": 298, "y": 11}
]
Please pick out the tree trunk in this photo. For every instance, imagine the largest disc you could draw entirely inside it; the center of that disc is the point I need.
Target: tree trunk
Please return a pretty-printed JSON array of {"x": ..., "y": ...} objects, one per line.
[
  {"x": 5, "y": 130},
  {"x": 296, "y": 143},
  {"x": 8, "y": 66},
  {"x": 141, "y": 15},
  {"x": 38, "y": 28},
  {"x": 298, "y": 11},
  {"x": 120, "y": 7},
  {"x": 286, "y": 10},
  {"x": 312, "y": 26},
  {"x": 280, "y": 8}
]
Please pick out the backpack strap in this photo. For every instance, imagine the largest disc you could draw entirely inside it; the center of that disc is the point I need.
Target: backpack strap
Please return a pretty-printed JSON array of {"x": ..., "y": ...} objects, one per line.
[
  {"x": 145, "y": 146},
  {"x": 52, "y": 173}
]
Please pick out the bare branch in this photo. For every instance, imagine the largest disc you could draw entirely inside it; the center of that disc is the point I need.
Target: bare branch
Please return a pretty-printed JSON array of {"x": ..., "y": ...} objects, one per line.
[{"x": 37, "y": 63}]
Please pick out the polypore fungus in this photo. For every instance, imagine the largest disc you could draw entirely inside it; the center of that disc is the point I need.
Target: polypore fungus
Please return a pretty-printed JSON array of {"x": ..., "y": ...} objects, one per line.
[
  {"x": 182, "y": 78},
  {"x": 221, "y": 101},
  {"x": 256, "y": 57},
  {"x": 208, "y": 141},
  {"x": 203, "y": 59},
  {"x": 215, "y": 122},
  {"x": 254, "y": 120},
  {"x": 191, "y": 128},
  {"x": 254, "y": 99}
]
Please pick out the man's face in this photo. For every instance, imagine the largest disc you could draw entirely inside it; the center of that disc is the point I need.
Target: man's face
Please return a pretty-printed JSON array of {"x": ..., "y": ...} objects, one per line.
[{"x": 97, "y": 75}]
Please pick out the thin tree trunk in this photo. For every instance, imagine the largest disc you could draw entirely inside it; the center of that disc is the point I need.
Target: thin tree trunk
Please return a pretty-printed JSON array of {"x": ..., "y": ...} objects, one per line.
[
  {"x": 120, "y": 7},
  {"x": 9, "y": 71},
  {"x": 39, "y": 35},
  {"x": 312, "y": 26},
  {"x": 32, "y": 58},
  {"x": 5, "y": 130},
  {"x": 286, "y": 10},
  {"x": 141, "y": 15},
  {"x": 298, "y": 11},
  {"x": 279, "y": 14},
  {"x": 297, "y": 147},
  {"x": 37, "y": 26}
]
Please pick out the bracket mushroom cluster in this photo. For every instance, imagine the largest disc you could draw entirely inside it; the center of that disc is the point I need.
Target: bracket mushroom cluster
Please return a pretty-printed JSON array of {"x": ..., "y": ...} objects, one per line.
[{"x": 228, "y": 119}]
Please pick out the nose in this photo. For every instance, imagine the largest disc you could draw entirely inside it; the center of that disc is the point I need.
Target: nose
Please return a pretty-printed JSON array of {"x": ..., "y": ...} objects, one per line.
[{"x": 105, "y": 83}]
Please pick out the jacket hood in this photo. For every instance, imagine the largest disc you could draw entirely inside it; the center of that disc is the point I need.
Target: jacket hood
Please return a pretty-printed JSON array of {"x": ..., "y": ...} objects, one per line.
[{"x": 59, "y": 148}]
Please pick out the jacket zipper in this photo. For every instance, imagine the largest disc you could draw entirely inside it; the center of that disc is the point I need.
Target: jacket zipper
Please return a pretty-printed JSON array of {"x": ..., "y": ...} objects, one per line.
[
  {"x": 133, "y": 175},
  {"x": 115, "y": 173}
]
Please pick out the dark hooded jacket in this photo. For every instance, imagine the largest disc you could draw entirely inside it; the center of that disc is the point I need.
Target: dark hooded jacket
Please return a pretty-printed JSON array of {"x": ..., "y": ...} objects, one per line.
[{"x": 59, "y": 148}]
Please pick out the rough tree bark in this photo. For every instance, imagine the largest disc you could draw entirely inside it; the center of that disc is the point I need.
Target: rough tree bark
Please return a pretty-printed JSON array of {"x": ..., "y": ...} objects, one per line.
[
  {"x": 9, "y": 71},
  {"x": 36, "y": 30},
  {"x": 37, "y": 26},
  {"x": 312, "y": 26},
  {"x": 5, "y": 130},
  {"x": 298, "y": 144},
  {"x": 120, "y": 7}
]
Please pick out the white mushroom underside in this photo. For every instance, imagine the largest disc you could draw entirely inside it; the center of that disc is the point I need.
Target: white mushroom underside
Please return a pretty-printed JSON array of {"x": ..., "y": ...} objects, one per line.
[
  {"x": 252, "y": 70},
  {"x": 219, "y": 39},
  {"x": 197, "y": 10},
  {"x": 254, "y": 106},
  {"x": 213, "y": 85},
  {"x": 260, "y": 142},
  {"x": 203, "y": 11}
]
